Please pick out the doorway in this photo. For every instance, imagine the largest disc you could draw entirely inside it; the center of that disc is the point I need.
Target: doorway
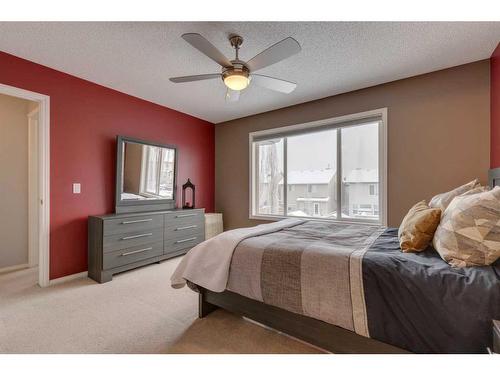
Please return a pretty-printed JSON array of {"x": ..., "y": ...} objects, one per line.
[{"x": 38, "y": 183}]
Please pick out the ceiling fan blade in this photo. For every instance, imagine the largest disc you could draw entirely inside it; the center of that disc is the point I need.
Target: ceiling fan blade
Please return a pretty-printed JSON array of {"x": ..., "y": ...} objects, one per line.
[
  {"x": 277, "y": 52},
  {"x": 207, "y": 48},
  {"x": 232, "y": 95},
  {"x": 199, "y": 77},
  {"x": 275, "y": 84}
]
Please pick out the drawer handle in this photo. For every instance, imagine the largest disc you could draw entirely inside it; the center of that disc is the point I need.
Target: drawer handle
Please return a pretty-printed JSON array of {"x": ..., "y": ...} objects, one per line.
[
  {"x": 188, "y": 227},
  {"x": 186, "y": 240},
  {"x": 137, "y": 236},
  {"x": 186, "y": 215},
  {"x": 137, "y": 251},
  {"x": 136, "y": 221}
]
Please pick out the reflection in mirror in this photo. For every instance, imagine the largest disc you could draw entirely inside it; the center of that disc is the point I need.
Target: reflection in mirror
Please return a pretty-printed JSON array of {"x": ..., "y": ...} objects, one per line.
[{"x": 148, "y": 172}]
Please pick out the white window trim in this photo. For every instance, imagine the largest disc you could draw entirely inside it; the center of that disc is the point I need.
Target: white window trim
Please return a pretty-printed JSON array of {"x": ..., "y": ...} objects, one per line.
[
  {"x": 145, "y": 172},
  {"x": 381, "y": 112}
]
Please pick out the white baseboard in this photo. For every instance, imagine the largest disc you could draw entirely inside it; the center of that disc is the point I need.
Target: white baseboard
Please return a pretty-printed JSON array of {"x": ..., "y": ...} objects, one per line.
[
  {"x": 13, "y": 268},
  {"x": 64, "y": 279}
]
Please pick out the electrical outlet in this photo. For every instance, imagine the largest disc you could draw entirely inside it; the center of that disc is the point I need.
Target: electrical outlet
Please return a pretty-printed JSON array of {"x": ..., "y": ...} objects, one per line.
[{"x": 76, "y": 188}]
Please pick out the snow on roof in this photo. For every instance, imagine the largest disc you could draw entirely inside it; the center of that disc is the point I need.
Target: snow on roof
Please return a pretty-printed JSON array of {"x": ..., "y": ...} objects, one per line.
[
  {"x": 297, "y": 213},
  {"x": 301, "y": 199},
  {"x": 362, "y": 175},
  {"x": 322, "y": 176}
]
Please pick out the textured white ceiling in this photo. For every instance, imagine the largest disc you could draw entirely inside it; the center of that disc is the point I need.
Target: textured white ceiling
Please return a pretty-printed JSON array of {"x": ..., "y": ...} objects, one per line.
[{"x": 138, "y": 58}]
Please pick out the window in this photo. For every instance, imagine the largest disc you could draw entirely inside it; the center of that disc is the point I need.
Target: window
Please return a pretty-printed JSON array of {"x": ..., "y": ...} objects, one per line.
[
  {"x": 157, "y": 173},
  {"x": 269, "y": 186},
  {"x": 316, "y": 209},
  {"x": 332, "y": 169},
  {"x": 373, "y": 189}
]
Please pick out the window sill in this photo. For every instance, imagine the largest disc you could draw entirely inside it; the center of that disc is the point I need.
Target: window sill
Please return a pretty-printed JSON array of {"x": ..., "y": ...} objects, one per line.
[{"x": 342, "y": 221}]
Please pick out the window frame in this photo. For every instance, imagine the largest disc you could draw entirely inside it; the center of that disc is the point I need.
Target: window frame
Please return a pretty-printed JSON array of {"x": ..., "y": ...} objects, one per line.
[
  {"x": 334, "y": 123},
  {"x": 145, "y": 173},
  {"x": 146, "y": 170}
]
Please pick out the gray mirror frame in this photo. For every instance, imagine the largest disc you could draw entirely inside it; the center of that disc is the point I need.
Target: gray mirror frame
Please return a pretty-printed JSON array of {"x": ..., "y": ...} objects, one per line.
[{"x": 122, "y": 206}]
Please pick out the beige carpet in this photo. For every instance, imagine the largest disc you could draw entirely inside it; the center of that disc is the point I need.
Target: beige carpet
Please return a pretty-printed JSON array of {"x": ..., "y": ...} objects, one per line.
[
  {"x": 225, "y": 333},
  {"x": 138, "y": 312}
]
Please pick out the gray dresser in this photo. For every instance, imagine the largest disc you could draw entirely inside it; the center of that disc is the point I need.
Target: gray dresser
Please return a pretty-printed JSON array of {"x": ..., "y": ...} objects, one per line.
[{"x": 120, "y": 242}]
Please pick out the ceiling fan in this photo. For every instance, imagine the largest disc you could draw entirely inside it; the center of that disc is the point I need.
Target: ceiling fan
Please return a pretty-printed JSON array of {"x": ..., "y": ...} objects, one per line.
[{"x": 237, "y": 74}]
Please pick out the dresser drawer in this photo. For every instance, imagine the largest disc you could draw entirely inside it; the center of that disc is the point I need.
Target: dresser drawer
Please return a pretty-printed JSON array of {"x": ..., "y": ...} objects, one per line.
[
  {"x": 182, "y": 242},
  {"x": 131, "y": 254},
  {"x": 130, "y": 239},
  {"x": 193, "y": 228},
  {"x": 183, "y": 218},
  {"x": 132, "y": 224}
]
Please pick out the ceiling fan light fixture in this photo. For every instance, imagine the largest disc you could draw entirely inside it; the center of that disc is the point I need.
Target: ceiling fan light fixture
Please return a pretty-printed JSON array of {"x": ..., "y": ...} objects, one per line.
[
  {"x": 237, "y": 81},
  {"x": 236, "y": 73}
]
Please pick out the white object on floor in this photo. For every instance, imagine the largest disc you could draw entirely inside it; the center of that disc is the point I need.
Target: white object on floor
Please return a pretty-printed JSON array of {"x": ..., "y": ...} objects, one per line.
[{"x": 213, "y": 225}]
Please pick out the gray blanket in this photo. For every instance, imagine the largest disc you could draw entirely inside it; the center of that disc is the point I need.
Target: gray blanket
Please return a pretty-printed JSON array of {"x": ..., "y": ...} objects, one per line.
[{"x": 311, "y": 269}]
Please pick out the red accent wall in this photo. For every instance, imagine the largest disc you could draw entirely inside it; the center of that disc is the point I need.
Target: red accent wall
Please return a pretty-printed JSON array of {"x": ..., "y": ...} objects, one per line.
[
  {"x": 85, "y": 119},
  {"x": 495, "y": 107}
]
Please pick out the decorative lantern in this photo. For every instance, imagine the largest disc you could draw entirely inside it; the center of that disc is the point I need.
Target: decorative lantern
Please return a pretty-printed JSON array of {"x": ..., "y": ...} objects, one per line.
[{"x": 188, "y": 194}]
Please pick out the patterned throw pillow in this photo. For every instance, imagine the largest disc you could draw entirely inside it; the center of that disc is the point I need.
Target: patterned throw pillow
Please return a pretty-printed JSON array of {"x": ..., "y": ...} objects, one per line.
[
  {"x": 478, "y": 189},
  {"x": 469, "y": 232},
  {"x": 418, "y": 227},
  {"x": 444, "y": 199}
]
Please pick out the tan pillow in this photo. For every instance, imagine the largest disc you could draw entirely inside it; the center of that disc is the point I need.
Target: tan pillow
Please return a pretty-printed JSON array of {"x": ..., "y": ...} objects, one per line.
[
  {"x": 469, "y": 232},
  {"x": 418, "y": 227},
  {"x": 444, "y": 199}
]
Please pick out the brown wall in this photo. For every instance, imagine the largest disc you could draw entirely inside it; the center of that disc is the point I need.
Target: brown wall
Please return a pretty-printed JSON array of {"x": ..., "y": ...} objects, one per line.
[{"x": 438, "y": 137}]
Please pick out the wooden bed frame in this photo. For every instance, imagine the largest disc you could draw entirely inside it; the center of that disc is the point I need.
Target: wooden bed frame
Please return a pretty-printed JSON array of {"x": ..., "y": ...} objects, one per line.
[{"x": 324, "y": 335}]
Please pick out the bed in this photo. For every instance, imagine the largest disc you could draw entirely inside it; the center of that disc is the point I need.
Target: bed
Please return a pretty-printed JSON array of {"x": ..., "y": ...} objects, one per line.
[{"x": 346, "y": 288}]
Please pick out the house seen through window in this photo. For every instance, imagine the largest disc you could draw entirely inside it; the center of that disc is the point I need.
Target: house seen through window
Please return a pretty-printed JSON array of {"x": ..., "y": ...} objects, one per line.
[{"x": 329, "y": 173}]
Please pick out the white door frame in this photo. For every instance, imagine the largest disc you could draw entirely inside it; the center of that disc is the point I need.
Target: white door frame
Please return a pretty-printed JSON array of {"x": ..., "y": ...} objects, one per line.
[
  {"x": 44, "y": 175},
  {"x": 33, "y": 198}
]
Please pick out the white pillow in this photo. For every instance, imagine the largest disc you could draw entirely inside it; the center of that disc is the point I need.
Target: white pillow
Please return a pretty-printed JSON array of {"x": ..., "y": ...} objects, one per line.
[
  {"x": 444, "y": 199},
  {"x": 469, "y": 231}
]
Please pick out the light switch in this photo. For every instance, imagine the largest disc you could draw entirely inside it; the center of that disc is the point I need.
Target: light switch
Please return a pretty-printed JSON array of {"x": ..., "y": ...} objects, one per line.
[{"x": 76, "y": 188}]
